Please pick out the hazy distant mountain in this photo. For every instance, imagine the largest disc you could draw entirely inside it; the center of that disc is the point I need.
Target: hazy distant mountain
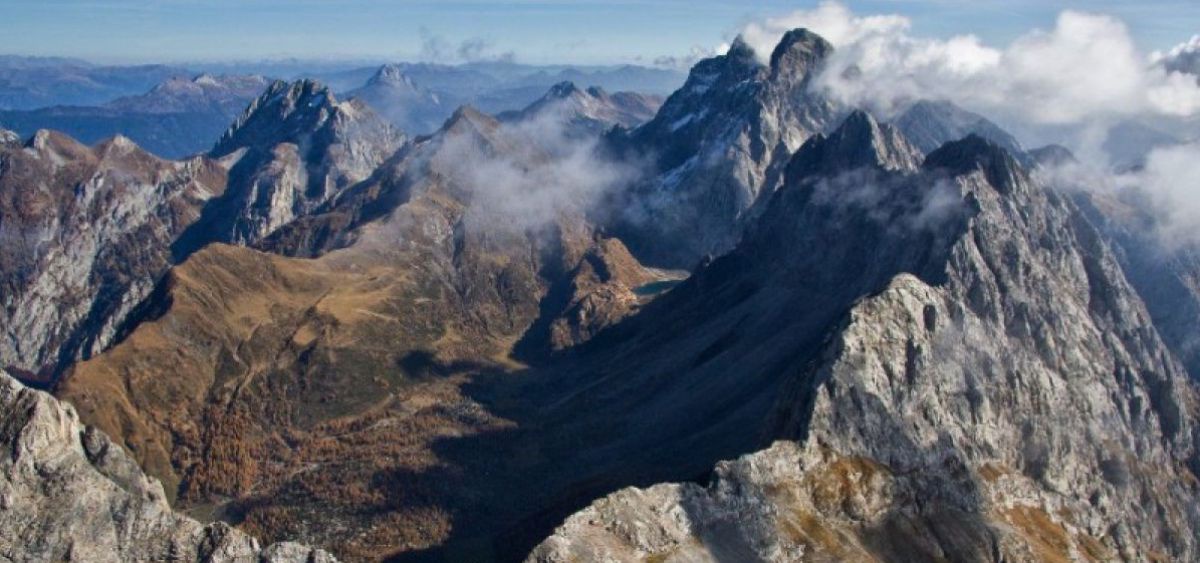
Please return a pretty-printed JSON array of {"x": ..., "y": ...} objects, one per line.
[
  {"x": 401, "y": 100},
  {"x": 590, "y": 111},
  {"x": 419, "y": 97},
  {"x": 28, "y": 83},
  {"x": 1129, "y": 143},
  {"x": 929, "y": 125},
  {"x": 176, "y": 118}
]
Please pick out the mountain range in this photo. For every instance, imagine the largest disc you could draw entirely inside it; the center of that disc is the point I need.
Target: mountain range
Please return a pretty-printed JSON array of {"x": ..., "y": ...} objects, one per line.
[{"x": 744, "y": 323}]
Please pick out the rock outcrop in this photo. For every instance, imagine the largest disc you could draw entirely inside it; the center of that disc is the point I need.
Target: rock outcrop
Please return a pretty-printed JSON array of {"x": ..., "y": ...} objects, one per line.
[{"x": 67, "y": 493}]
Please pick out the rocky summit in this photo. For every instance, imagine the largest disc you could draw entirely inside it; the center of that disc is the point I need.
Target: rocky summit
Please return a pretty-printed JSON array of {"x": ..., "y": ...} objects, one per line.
[{"x": 752, "y": 324}]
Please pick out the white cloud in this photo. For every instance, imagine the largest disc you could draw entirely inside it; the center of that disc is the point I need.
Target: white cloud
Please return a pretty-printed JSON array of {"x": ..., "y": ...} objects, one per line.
[
  {"x": 1171, "y": 178},
  {"x": 1086, "y": 68},
  {"x": 1166, "y": 186}
]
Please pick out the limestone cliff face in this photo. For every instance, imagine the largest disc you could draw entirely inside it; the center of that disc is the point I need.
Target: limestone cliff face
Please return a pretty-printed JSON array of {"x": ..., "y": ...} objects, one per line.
[
  {"x": 69, "y": 494},
  {"x": 86, "y": 232},
  {"x": 1002, "y": 395}
]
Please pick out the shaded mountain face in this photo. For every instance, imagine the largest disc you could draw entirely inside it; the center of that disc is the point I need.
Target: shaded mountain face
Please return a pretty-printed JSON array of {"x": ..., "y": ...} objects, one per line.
[
  {"x": 588, "y": 112},
  {"x": 340, "y": 370},
  {"x": 929, "y": 125},
  {"x": 175, "y": 119},
  {"x": 965, "y": 376},
  {"x": 101, "y": 507},
  {"x": 87, "y": 232},
  {"x": 719, "y": 145},
  {"x": 398, "y": 98}
]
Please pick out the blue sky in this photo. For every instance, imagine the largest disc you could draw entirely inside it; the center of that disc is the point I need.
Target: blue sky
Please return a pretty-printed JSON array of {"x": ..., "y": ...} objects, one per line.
[{"x": 536, "y": 31}]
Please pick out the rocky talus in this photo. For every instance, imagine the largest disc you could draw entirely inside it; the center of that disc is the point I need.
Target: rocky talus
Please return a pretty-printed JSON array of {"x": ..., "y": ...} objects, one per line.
[
  {"x": 1000, "y": 396},
  {"x": 67, "y": 493}
]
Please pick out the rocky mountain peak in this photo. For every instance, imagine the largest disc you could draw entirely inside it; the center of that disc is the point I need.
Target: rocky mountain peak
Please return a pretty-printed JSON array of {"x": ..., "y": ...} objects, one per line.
[
  {"x": 8, "y": 137},
  {"x": 740, "y": 53},
  {"x": 977, "y": 153},
  {"x": 294, "y": 148},
  {"x": 564, "y": 89},
  {"x": 467, "y": 118},
  {"x": 929, "y": 124},
  {"x": 799, "y": 52},
  {"x": 392, "y": 75},
  {"x": 283, "y": 113},
  {"x": 859, "y": 142},
  {"x": 1052, "y": 155}
]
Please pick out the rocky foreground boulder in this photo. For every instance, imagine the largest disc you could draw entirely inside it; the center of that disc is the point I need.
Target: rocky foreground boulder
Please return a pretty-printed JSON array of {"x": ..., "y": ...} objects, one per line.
[{"x": 67, "y": 493}]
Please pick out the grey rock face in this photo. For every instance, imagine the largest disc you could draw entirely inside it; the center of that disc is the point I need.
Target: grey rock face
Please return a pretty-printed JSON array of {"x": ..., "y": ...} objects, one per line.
[
  {"x": 68, "y": 493},
  {"x": 719, "y": 145},
  {"x": 86, "y": 232},
  {"x": 993, "y": 390}
]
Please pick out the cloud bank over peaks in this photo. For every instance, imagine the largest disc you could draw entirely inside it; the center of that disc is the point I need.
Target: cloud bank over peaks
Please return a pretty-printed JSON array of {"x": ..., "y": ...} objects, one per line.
[{"x": 1087, "y": 67}]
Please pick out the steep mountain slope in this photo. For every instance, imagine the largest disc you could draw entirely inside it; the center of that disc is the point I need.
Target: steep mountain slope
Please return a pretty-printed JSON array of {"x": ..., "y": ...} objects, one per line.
[
  {"x": 175, "y": 119},
  {"x": 87, "y": 231},
  {"x": 99, "y": 506},
  {"x": 589, "y": 112},
  {"x": 929, "y": 125},
  {"x": 718, "y": 146},
  {"x": 304, "y": 397},
  {"x": 970, "y": 378},
  {"x": 398, "y": 98}
]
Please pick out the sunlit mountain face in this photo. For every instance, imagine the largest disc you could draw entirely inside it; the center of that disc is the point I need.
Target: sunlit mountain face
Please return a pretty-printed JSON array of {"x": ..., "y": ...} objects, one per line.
[{"x": 828, "y": 284}]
